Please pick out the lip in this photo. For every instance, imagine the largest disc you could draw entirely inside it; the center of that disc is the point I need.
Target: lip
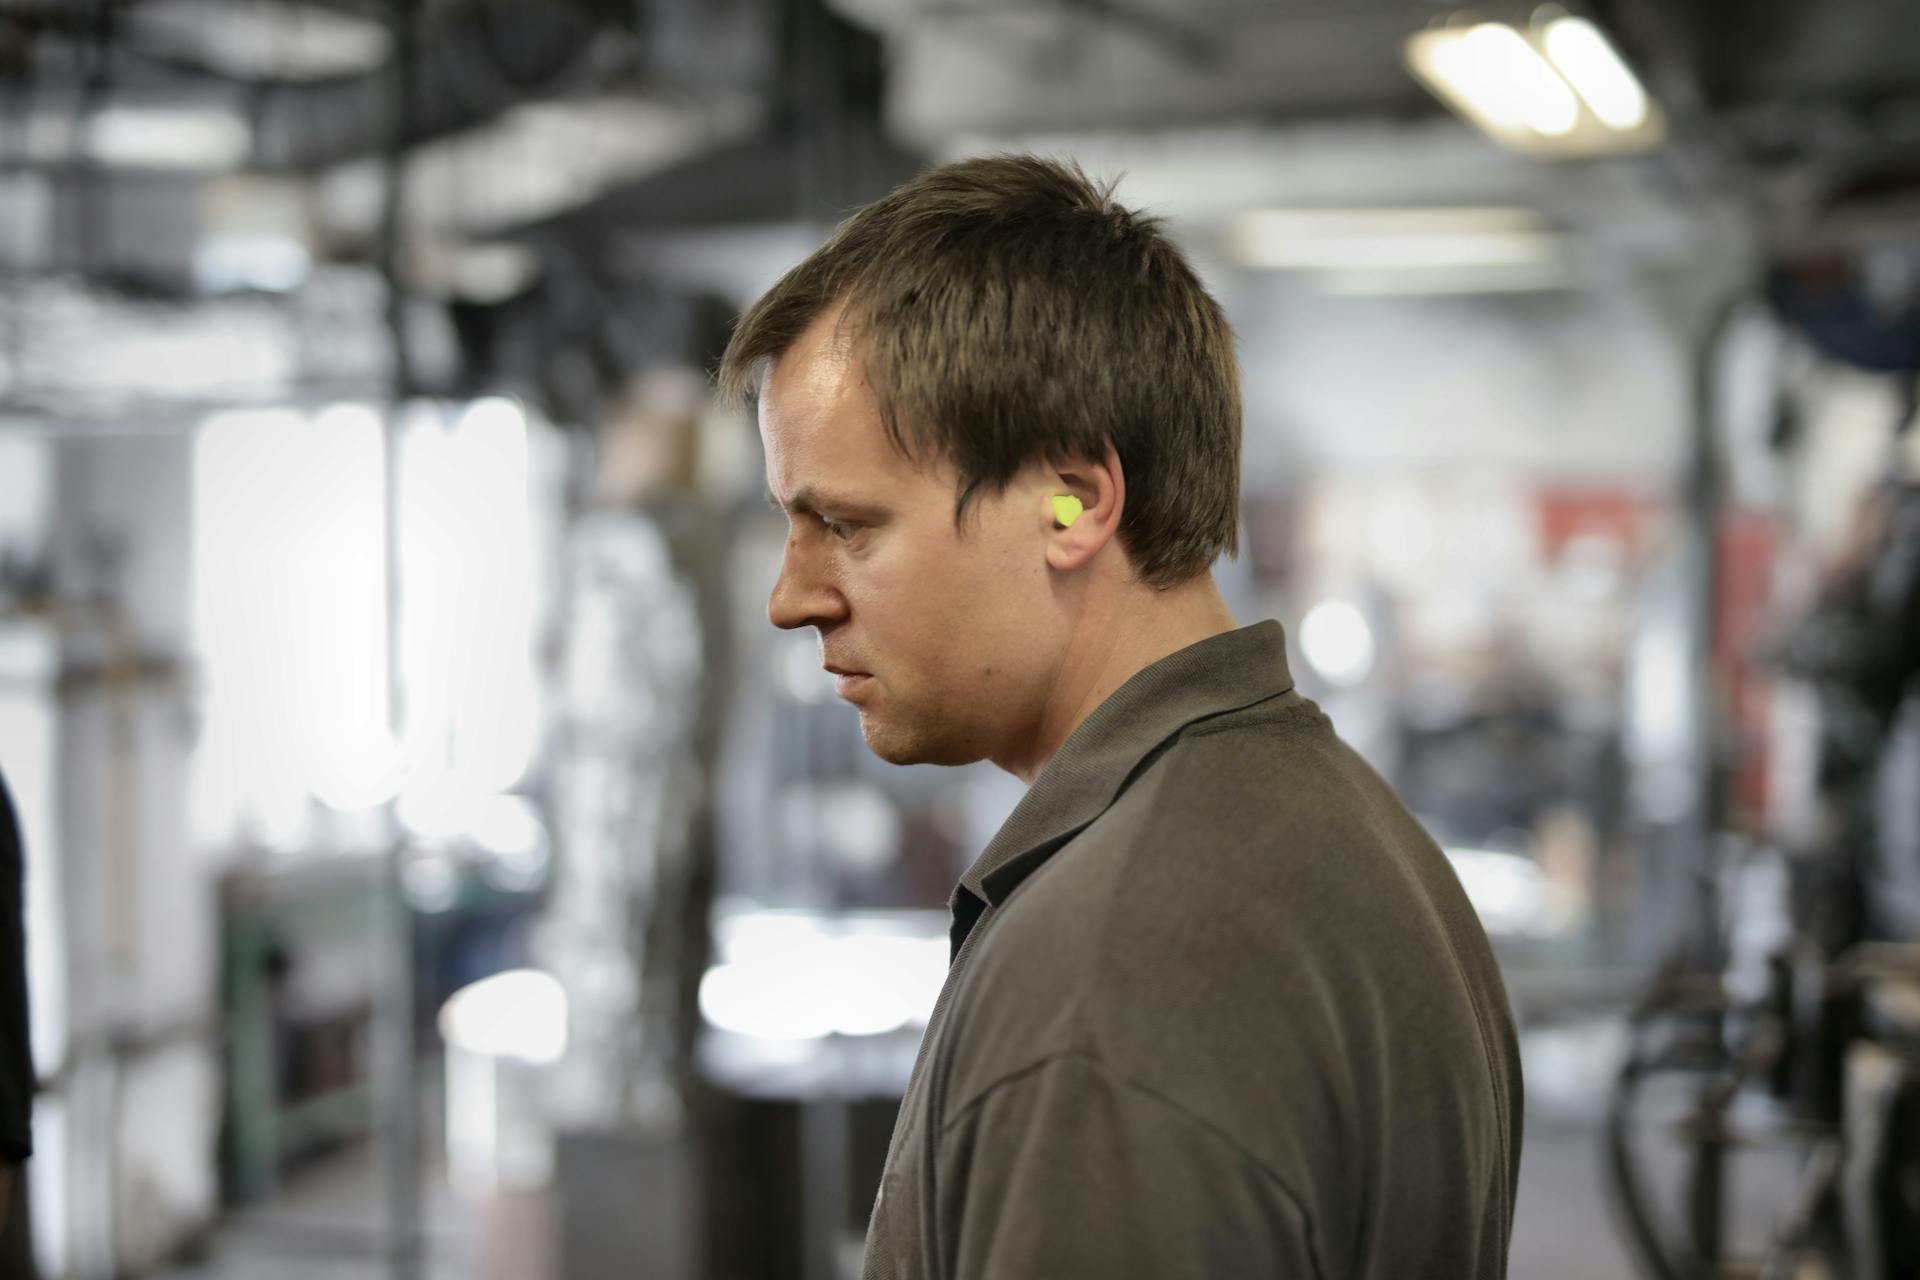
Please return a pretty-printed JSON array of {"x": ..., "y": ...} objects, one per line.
[{"x": 845, "y": 683}]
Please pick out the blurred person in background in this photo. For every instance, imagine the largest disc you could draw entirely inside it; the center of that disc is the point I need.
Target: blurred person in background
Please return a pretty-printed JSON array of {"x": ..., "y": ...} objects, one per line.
[
  {"x": 16, "y": 1059},
  {"x": 1217, "y": 1004}
]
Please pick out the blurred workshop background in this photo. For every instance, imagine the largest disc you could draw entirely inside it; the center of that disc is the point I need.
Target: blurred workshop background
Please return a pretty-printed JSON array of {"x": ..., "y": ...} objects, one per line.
[{"x": 438, "y": 867}]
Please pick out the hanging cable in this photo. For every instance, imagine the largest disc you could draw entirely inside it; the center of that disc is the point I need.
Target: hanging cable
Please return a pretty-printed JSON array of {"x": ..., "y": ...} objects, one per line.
[
  {"x": 88, "y": 177},
  {"x": 395, "y": 1013}
]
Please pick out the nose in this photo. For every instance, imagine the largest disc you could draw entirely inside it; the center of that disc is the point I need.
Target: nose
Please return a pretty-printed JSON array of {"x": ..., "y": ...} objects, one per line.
[{"x": 802, "y": 595}]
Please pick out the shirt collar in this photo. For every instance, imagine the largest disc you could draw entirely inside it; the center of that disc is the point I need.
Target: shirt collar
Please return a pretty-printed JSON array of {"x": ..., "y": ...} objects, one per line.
[{"x": 1218, "y": 675}]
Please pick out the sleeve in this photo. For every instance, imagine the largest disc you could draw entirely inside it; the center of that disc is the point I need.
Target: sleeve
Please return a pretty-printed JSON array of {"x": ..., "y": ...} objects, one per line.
[
  {"x": 16, "y": 1062},
  {"x": 1066, "y": 1171}
]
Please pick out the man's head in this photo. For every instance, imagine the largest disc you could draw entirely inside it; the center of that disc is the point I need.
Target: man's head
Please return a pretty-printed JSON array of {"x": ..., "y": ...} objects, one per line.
[{"x": 993, "y": 334}]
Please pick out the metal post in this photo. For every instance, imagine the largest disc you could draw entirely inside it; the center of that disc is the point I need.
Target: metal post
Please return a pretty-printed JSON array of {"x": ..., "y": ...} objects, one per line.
[
  {"x": 397, "y": 1106},
  {"x": 823, "y": 1186}
]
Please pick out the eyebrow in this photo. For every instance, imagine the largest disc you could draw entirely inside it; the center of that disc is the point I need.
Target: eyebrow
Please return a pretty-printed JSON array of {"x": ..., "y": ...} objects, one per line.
[{"x": 810, "y": 500}]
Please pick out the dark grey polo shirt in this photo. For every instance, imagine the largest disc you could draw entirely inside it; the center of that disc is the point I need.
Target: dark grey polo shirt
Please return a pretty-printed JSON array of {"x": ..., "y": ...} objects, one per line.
[{"x": 1218, "y": 1008}]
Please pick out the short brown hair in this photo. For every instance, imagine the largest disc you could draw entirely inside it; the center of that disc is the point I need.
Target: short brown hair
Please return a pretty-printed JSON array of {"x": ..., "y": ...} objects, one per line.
[{"x": 1007, "y": 310}]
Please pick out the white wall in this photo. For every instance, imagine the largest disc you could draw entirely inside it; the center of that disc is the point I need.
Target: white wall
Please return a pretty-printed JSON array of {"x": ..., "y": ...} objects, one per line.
[
  {"x": 141, "y": 933},
  {"x": 1586, "y": 386}
]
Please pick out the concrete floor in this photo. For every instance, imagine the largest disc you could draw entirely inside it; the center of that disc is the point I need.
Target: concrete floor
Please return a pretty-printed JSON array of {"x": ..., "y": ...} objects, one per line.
[
  {"x": 329, "y": 1225},
  {"x": 1560, "y": 1227},
  {"x": 1563, "y": 1227}
]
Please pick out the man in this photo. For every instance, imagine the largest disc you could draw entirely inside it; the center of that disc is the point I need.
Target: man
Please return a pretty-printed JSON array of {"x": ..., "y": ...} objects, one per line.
[{"x": 1217, "y": 1006}]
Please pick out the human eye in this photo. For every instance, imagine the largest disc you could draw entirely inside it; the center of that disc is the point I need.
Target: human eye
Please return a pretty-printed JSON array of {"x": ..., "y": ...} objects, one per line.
[{"x": 838, "y": 529}]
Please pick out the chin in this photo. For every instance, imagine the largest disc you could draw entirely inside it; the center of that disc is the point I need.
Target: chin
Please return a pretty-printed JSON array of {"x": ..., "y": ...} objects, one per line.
[{"x": 897, "y": 747}]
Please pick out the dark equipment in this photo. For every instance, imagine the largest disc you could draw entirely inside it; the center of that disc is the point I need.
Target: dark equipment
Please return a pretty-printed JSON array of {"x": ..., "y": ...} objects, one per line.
[{"x": 1823, "y": 1054}]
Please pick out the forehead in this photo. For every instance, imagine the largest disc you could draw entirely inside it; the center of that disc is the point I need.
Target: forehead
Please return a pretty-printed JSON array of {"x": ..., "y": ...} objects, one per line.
[{"x": 819, "y": 419}]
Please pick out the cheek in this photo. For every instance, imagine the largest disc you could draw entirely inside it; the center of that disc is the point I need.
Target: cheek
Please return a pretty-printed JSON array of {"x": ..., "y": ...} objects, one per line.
[
  {"x": 936, "y": 595},
  {"x": 978, "y": 618}
]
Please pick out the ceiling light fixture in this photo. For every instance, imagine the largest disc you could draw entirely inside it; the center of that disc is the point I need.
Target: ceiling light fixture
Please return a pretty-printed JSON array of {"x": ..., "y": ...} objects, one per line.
[
  {"x": 1546, "y": 277},
  {"x": 1408, "y": 239},
  {"x": 1503, "y": 79},
  {"x": 1553, "y": 87},
  {"x": 1583, "y": 55},
  {"x": 1406, "y": 251}
]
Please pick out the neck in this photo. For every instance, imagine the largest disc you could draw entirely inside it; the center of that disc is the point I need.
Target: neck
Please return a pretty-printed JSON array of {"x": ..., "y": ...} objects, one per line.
[{"x": 1112, "y": 639}]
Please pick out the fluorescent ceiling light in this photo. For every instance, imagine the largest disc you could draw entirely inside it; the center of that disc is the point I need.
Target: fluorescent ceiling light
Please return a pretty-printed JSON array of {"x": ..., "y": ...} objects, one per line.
[
  {"x": 264, "y": 39},
  {"x": 1405, "y": 240},
  {"x": 168, "y": 137},
  {"x": 1539, "y": 278},
  {"x": 1596, "y": 72},
  {"x": 1557, "y": 87},
  {"x": 1500, "y": 79}
]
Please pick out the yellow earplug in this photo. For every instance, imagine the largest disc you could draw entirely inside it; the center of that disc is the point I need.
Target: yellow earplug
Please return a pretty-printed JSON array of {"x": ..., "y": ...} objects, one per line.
[{"x": 1066, "y": 509}]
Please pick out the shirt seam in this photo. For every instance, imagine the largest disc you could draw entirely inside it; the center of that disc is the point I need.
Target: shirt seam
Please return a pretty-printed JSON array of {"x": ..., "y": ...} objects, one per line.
[
  {"x": 1302, "y": 711},
  {"x": 1200, "y": 1122}
]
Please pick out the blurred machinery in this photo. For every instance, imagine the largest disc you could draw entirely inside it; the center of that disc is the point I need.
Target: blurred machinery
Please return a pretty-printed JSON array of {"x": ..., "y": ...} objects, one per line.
[
  {"x": 1789, "y": 1017},
  {"x": 628, "y": 785}
]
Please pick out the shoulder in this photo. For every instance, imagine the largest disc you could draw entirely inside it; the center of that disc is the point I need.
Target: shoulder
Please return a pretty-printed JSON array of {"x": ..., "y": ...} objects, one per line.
[
  {"x": 1251, "y": 847},
  {"x": 1262, "y": 811},
  {"x": 1254, "y": 929}
]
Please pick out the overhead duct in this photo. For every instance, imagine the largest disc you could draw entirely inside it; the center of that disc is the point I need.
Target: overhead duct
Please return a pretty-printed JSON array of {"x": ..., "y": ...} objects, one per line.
[
  {"x": 818, "y": 153},
  {"x": 473, "y": 64},
  {"x": 995, "y": 69}
]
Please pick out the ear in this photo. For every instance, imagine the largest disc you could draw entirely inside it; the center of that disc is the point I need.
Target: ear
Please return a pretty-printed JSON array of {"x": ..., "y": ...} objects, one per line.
[{"x": 1101, "y": 488}]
